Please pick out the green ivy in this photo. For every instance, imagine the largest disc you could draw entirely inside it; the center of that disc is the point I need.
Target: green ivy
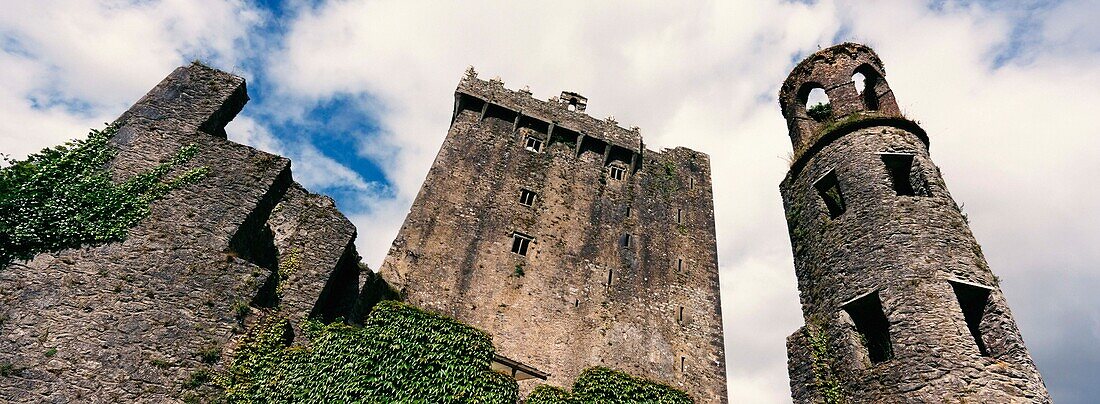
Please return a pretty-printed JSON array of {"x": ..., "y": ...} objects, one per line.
[
  {"x": 824, "y": 378},
  {"x": 63, "y": 197},
  {"x": 820, "y": 111},
  {"x": 607, "y": 386},
  {"x": 400, "y": 354}
]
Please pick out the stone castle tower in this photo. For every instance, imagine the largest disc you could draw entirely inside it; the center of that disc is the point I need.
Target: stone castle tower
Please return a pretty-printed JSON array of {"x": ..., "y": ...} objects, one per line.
[
  {"x": 899, "y": 303},
  {"x": 568, "y": 241}
]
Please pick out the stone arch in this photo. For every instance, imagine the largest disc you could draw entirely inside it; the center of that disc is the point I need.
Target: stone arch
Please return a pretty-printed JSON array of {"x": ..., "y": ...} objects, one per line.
[{"x": 874, "y": 85}]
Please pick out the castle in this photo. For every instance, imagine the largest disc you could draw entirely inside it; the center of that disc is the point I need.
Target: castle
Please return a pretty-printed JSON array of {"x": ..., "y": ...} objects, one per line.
[
  {"x": 567, "y": 240},
  {"x": 559, "y": 234}
]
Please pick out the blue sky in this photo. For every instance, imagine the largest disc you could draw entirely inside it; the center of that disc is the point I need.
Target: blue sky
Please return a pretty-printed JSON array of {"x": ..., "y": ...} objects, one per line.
[{"x": 359, "y": 95}]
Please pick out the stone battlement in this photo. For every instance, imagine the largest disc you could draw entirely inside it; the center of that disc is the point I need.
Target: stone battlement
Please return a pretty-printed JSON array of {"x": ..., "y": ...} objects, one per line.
[{"x": 556, "y": 111}]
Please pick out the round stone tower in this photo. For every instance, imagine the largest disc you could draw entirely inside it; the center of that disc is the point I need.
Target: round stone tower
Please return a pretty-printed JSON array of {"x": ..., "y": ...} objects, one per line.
[{"x": 899, "y": 303}]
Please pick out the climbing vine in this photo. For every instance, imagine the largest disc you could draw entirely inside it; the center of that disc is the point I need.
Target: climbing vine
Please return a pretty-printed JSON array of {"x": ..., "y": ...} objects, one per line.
[
  {"x": 607, "y": 386},
  {"x": 63, "y": 197},
  {"x": 824, "y": 379},
  {"x": 400, "y": 354}
]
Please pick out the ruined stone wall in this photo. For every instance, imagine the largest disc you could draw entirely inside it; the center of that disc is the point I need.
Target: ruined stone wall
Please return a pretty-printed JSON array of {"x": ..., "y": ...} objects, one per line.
[
  {"x": 581, "y": 296},
  {"x": 886, "y": 280},
  {"x": 136, "y": 321}
]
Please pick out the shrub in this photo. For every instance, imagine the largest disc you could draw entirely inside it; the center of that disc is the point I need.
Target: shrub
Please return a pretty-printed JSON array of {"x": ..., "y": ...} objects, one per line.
[{"x": 400, "y": 354}]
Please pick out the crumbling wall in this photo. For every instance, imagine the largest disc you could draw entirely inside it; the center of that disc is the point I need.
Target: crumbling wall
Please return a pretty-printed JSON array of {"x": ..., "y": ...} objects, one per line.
[{"x": 148, "y": 319}]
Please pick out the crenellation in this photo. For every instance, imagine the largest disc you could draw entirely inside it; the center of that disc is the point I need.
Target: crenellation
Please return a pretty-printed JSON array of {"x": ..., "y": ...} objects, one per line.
[{"x": 473, "y": 92}]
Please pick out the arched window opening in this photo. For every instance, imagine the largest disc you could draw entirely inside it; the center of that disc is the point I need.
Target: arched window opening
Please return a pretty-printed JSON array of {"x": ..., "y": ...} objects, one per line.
[
  {"x": 860, "y": 81},
  {"x": 817, "y": 104},
  {"x": 868, "y": 83}
]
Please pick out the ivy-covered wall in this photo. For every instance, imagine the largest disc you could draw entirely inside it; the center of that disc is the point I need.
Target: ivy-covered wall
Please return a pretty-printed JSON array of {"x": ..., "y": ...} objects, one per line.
[
  {"x": 606, "y": 386},
  {"x": 400, "y": 354},
  {"x": 63, "y": 197}
]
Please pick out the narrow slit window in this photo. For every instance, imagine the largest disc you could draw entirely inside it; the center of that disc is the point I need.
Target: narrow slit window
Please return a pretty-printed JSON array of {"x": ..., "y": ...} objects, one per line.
[
  {"x": 526, "y": 197},
  {"x": 679, "y": 216},
  {"x": 627, "y": 211},
  {"x": 616, "y": 172},
  {"x": 520, "y": 243},
  {"x": 610, "y": 273},
  {"x": 829, "y": 189},
  {"x": 679, "y": 264},
  {"x": 900, "y": 167},
  {"x": 626, "y": 240},
  {"x": 680, "y": 318},
  {"x": 682, "y": 361},
  {"x": 872, "y": 325},
  {"x": 972, "y": 300},
  {"x": 533, "y": 144},
  {"x": 691, "y": 183}
]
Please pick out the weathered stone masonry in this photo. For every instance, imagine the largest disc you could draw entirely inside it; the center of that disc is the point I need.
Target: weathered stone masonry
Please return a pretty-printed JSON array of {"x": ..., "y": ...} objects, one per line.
[
  {"x": 615, "y": 259},
  {"x": 132, "y": 321},
  {"x": 899, "y": 303}
]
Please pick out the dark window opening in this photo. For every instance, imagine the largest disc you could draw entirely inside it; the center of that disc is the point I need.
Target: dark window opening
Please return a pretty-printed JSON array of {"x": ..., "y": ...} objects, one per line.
[
  {"x": 576, "y": 302},
  {"x": 679, "y": 264},
  {"x": 680, "y": 319},
  {"x": 520, "y": 242},
  {"x": 872, "y": 325},
  {"x": 626, "y": 241},
  {"x": 899, "y": 166},
  {"x": 609, "y": 274},
  {"x": 679, "y": 216},
  {"x": 615, "y": 172},
  {"x": 682, "y": 360},
  {"x": 972, "y": 300},
  {"x": 627, "y": 211},
  {"x": 533, "y": 144},
  {"x": 526, "y": 197},
  {"x": 691, "y": 183},
  {"x": 829, "y": 189}
]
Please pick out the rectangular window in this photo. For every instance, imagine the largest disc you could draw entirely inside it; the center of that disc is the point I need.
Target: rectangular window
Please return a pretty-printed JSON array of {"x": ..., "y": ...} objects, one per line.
[
  {"x": 526, "y": 197},
  {"x": 627, "y": 211},
  {"x": 829, "y": 189},
  {"x": 872, "y": 325},
  {"x": 520, "y": 242},
  {"x": 691, "y": 183},
  {"x": 627, "y": 240},
  {"x": 900, "y": 167},
  {"x": 679, "y": 216},
  {"x": 533, "y": 144},
  {"x": 680, "y": 319},
  {"x": 972, "y": 300},
  {"x": 679, "y": 264},
  {"x": 616, "y": 172}
]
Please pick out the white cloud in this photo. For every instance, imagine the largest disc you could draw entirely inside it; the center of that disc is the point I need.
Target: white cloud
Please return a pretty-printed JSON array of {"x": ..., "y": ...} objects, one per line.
[
  {"x": 705, "y": 76},
  {"x": 98, "y": 57},
  {"x": 1016, "y": 142}
]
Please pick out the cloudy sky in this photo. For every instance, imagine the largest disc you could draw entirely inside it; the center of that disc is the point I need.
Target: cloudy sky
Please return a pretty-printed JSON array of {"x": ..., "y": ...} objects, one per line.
[{"x": 359, "y": 94}]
